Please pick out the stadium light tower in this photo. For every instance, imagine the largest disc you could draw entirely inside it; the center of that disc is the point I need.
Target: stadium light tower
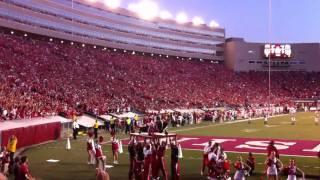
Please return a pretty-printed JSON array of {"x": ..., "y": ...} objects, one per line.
[
  {"x": 181, "y": 18},
  {"x": 213, "y": 24},
  {"x": 112, "y": 4},
  {"x": 197, "y": 21},
  {"x": 165, "y": 15}
]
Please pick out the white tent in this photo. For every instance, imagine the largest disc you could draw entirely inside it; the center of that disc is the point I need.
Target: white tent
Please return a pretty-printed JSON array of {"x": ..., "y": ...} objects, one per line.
[
  {"x": 88, "y": 121},
  {"x": 106, "y": 117},
  {"x": 125, "y": 115}
]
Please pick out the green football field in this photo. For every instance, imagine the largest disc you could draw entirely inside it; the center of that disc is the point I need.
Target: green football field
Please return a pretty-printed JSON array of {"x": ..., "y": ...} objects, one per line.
[{"x": 73, "y": 163}]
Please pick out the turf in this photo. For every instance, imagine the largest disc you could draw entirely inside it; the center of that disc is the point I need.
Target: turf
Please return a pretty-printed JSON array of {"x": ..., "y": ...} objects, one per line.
[{"x": 73, "y": 164}]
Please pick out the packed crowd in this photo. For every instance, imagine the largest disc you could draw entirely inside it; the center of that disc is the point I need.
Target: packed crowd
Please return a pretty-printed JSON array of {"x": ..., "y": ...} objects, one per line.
[{"x": 40, "y": 78}]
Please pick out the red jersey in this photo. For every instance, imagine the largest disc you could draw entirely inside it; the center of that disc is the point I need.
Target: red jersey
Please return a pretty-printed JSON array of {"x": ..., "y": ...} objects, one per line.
[
  {"x": 24, "y": 170},
  {"x": 161, "y": 151},
  {"x": 115, "y": 145},
  {"x": 90, "y": 144},
  {"x": 98, "y": 149}
]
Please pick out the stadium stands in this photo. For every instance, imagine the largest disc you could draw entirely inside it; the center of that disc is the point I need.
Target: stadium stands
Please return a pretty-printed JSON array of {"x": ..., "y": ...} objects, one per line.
[{"x": 41, "y": 78}]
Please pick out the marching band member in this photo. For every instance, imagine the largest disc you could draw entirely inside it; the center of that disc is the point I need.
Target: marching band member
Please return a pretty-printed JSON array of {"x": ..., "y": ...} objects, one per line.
[
  {"x": 205, "y": 160},
  {"x": 115, "y": 149},
  {"x": 240, "y": 167},
  {"x": 293, "y": 115},
  {"x": 90, "y": 148},
  {"x": 273, "y": 164},
  {"x": 316, "y": 117}
]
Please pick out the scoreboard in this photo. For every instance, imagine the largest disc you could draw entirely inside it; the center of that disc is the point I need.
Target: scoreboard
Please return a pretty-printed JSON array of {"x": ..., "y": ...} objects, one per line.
[{"x": 277, "y": 51}]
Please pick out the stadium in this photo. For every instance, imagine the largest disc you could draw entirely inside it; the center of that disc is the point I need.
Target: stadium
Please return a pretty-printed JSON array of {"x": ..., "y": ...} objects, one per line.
[{"x": 92, "y": 90}]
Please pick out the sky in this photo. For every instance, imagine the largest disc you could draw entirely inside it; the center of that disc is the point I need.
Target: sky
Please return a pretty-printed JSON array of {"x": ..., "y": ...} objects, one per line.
[{"x": 286, "y": 21}]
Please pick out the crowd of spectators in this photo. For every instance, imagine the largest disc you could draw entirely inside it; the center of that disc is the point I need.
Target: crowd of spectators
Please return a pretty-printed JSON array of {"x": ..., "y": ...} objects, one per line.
[{"x": 40, "y": 78}]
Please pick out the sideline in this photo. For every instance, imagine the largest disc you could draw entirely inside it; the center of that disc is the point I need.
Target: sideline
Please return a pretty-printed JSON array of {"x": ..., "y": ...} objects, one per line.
[{"x": 225, "y": 123}]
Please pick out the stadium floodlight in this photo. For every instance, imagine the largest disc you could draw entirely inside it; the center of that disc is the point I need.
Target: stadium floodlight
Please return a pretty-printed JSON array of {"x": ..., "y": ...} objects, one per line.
[
  {"x": 213, "y": 24},
  {"x": 112, "y": 4},
  {"x": 165, "y": 15},
  {"x": 133, "y": 7},
  {"x": 146, "y": 9},
  {"x": 182, "y": 18},
  {"x": 91, "y": 1},
  {"x": 197, "y": 21}
]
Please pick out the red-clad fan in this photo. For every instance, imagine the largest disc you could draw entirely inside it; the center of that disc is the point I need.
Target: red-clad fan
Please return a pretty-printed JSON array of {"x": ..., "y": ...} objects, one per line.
[
  {"x": 205, "y": 160},
  {"x": 100, "y": 158},
  {"x": 115, "y": 149},
  {"x": 161, "y": 159},
  {"x": 138, "y": 168},
  {"x": 147, "y": 151},
  {"x": 24, "y": 169},
  {"x": 90, "y": 148}
]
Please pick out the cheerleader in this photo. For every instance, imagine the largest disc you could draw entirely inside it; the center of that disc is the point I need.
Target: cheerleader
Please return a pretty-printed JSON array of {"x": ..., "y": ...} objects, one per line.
[
  {"x": 175, "y": 165},
  {"x": 241, "y": 168},
  {"x": 90, "y": 148},
  {"x": 147, "y": 152},
  {"x": 161, "y": 159},
  {"x": 138, "y": 168},
  {"x": 251, "y": 162},
  {"x": 292, "y": 170},
  {"x": 100, "y": 158},
  {"x": 115, "y": 149},
  {"x": 132, "y": 157},
  {"x": 205, "y": 160},
  {"x": 273, "y": 164}
]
